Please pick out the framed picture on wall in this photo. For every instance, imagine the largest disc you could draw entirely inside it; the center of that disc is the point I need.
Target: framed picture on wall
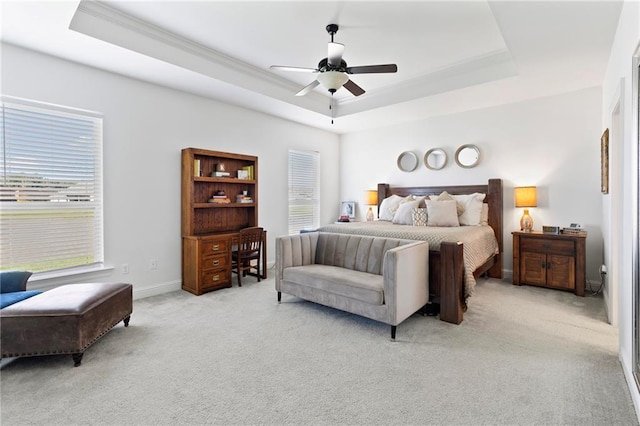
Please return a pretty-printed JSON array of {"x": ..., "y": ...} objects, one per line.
[
  {"x": 604, "y": 162},
  {"x": 348, "y": 208}
]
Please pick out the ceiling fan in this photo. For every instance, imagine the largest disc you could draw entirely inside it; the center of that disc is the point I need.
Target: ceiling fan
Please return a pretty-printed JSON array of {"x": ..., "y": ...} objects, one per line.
[{"x": 333, "y": 70}]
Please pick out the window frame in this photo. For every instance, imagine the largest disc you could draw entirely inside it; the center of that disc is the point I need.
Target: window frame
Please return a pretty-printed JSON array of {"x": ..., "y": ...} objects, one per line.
[
  {"x": 311, "y": 163},
  {"x": 84, "y": 196}
]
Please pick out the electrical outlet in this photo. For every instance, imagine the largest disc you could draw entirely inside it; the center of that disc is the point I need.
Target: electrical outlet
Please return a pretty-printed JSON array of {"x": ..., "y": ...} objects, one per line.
[
  {"x": 153, "y": 264},
  {"x": 125, "y": 268}
]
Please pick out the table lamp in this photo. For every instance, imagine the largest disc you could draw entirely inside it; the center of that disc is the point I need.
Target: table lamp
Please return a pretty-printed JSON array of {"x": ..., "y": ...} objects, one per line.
[
  {"x": 370, "y": 199},
  {"x": 526, "y": 197}
]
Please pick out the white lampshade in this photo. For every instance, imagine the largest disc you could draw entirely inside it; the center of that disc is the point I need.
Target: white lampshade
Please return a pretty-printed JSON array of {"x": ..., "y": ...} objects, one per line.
[{"x": 332, "y": 80}]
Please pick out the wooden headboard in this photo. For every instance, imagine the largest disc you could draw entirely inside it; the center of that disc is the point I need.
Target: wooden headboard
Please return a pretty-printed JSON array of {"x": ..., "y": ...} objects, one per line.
[{"x": 493, "y": 189}]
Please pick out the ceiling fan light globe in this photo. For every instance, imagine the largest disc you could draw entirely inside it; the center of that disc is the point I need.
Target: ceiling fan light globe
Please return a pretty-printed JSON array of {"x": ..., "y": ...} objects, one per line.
[{"x": 332, "y": 80}]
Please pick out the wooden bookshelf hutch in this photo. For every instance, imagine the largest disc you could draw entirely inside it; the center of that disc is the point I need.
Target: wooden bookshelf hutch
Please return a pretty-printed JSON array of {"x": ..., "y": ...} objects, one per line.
[{"x": 209, "y": 229}]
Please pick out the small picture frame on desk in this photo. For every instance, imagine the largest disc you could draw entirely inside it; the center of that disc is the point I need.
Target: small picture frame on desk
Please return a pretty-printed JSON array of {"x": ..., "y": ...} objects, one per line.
[{"x": 348, "y": 208}]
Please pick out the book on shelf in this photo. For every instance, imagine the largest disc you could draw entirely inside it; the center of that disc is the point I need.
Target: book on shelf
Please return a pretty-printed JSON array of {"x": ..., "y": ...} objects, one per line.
[
  {"x": 242, "y": 174},
  {"x": 249, "y": 170},
  {"x": 223, "y": 200},
  {"x": 242, "y": 199},
  {"x": 220, "y": 174},
  {"x": 196, "y": 168}
]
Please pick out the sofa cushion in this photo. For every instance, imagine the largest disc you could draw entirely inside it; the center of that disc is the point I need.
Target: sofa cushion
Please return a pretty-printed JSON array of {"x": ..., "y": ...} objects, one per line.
[
  {"x": 7, "y": 299},
  {"x": 356, "y": 252},
  {"x": 362, "y": 286}
]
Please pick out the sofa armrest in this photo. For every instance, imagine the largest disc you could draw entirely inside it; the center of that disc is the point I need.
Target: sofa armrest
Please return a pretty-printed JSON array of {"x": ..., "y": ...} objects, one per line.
[
  {"x": 13, "y": 281},
  {"x": 294, "y": 250},
  {"x": 406, "y": 280}
]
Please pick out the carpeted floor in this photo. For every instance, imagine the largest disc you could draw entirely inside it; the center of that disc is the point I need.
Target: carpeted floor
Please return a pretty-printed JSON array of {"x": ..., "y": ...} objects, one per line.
[{"x": 523, "y": 355}]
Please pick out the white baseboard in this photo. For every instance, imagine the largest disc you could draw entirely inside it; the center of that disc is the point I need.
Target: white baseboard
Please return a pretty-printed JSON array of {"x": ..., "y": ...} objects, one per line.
[
  {"x": 631, "y": 383},
  {"x": 156, "y": 289}
]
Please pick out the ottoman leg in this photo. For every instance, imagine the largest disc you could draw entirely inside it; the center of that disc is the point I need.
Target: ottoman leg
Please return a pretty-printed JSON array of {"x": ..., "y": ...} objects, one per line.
[
  {"x": 77, "y": 359},
  {"x": 126, "y": 321}
]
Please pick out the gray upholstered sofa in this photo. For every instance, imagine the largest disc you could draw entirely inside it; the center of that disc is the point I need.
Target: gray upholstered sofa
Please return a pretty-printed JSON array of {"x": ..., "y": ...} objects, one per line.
[{"x": 384, "y": 279}]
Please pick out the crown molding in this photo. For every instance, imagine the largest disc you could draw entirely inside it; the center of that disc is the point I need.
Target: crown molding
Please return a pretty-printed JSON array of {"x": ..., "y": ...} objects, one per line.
[{"x": 108, "y": 24}]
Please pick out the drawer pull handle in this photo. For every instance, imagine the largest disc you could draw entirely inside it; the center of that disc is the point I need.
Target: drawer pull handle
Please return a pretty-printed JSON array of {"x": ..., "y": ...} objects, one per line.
[
  {"x": 216, "y": 278},
  {"x": 548, "y": 265},
  {"x": 546, "y": 246},
  {"x": 544, "y": 265},
  {"x": 215, "y": 247},
  {"x": 215, "y": 262}
]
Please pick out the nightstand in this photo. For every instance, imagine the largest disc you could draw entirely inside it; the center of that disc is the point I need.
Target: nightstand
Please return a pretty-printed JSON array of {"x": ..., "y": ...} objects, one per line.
[{"x": 550, "y": 260}]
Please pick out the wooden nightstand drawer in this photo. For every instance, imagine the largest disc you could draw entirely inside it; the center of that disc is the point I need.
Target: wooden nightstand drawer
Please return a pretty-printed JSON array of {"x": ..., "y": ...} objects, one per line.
[
  {"x": 543, "y": 245},
  {"x": 554, "y": 261}
]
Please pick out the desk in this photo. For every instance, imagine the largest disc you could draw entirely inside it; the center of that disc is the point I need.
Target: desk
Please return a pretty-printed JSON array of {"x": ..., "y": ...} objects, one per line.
[{"x": 206, "y": 261}]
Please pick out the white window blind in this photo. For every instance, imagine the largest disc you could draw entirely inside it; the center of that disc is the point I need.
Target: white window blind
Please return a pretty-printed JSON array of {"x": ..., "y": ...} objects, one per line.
[
  {"x": 304, "y": 190},
  {"x": 50, "y": 188}
]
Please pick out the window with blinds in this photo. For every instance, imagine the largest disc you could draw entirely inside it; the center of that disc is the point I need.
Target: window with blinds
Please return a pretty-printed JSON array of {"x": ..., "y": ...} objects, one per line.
[
  {"x": 50, "y": 188},
  {"x": 304, "y": 190}
]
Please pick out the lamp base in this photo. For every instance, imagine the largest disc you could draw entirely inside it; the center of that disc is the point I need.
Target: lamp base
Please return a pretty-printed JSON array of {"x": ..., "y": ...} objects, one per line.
[
  {"x": 369, "y": 215},
  {"x": 526, "y": 222}
]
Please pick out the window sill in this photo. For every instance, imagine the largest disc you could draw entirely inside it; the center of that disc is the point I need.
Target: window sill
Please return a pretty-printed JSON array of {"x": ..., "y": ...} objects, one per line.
[{"x": 71, "y": 272}]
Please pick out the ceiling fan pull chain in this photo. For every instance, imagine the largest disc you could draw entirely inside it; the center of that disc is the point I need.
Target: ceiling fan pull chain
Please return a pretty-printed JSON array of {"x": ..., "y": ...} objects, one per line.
[{"x": 331, "y": 107}]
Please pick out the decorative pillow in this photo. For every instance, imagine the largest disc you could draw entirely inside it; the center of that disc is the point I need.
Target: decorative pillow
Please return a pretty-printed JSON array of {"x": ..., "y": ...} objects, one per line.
[
  {"x": 403, "y": 214},
  {"x": 484, "y": 216},
  {"x": 442, "y": 213},
  {"x": 419, "y": 217},
  {"x": 389, "y": 206},
  {"x": 472, "y": 204},
  {"x": 446, "y": 196}
]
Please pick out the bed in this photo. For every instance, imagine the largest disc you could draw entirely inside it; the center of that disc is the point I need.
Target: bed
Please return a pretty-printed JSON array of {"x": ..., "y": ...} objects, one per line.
[{"x": 457, "y": 255}]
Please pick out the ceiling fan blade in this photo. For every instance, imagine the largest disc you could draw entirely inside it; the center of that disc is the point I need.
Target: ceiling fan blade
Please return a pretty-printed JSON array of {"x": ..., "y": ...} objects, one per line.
[
  {"x": 334, "y": 54},
  {"x": 372, "y": 69},
  {"x": 297, "y": 69},
  {"x": 309, "y": 87},
  {"x": 353, "y": 88}
]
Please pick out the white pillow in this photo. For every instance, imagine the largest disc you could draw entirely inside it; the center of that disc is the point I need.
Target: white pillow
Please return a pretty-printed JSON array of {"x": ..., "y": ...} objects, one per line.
[
  {"x": 442, "y": 213},
  {"x": 419, "y": 216},
  {"x": 484, "y": 216},
  {"x": 389, "y": 206},
  {"x": 472, "y": 204},
  {"x": 446, "y": 196},
  {"x": 403, "y": 215}
]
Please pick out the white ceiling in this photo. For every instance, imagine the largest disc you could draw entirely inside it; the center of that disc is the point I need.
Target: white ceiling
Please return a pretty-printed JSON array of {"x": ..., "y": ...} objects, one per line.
[{"x": 452, "y": 56}]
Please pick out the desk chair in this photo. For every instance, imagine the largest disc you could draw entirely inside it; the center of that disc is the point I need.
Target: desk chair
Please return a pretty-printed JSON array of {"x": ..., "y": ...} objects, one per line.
[{"x": 249, "y": 249}]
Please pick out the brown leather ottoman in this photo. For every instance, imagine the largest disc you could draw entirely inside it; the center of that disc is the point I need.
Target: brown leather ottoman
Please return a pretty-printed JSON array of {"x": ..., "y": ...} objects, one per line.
[{"x": 64, "y": 320}]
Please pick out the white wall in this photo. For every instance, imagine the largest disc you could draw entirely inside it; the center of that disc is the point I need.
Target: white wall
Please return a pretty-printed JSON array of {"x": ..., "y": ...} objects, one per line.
[
  {"x": 617, "y": 90},
  {"x": 553, "y": 143},
  {"x": 145, "y": 127}
]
